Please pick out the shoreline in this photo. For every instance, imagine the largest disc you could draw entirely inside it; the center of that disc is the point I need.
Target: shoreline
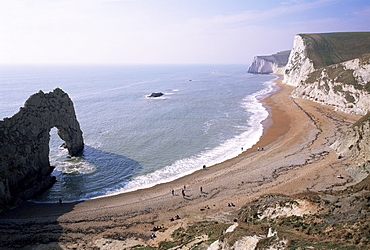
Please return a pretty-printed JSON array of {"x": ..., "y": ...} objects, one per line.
[
  {"x": 296, "y": 158},
  {"x": 266, "y": 122}
]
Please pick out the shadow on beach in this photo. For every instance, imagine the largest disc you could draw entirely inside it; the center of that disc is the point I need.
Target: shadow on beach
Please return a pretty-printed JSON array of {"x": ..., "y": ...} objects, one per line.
[{"x": 34, "y": 224}]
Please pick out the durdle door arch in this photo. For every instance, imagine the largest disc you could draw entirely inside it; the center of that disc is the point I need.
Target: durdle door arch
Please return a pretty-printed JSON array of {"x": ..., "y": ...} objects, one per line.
[{"x": 24, "y": 145}]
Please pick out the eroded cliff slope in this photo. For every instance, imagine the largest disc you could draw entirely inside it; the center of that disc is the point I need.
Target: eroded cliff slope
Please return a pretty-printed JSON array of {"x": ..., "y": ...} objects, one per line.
[
  {"x": 24, "y": 145},
  {"x": 345, "y": 86},
  {"x": 355, "y": 145}
]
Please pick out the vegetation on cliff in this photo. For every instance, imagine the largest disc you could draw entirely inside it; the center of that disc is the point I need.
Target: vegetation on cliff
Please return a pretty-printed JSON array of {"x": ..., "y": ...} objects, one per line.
[
  {"x": 269, "y": 64},
  {"x": 281, "y": 58},
  {"x": 325, "y": 49},
  {"x": 342, "y": 71},
  {"x": 326, "y": 220}
]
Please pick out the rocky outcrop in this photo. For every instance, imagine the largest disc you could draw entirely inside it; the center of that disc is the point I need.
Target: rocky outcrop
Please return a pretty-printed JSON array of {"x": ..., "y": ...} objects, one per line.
[
  {"x": 24, "y": 145},
  {"x": 269, "y": 64},
  {"x": 345, "y": 86},
  {"x": 156, "y": 94},
  {"x": 355, "y": 145}
]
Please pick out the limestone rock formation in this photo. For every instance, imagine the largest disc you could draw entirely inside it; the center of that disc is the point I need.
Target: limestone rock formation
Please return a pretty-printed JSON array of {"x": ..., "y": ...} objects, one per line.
[
  {"x": 24, "y": 145},
  {"x": 269, "y": 64}
]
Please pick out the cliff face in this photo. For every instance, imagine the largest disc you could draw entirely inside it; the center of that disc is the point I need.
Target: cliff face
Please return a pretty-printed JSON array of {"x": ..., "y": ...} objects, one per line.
[
  {"x": 315, "y": 51},
  {"x": 299, "y": 64},
  {"x": 269, "y": 64},
  {"x": 24, "y": 145},
  {"x": 333, "y": 69},
  {"x": 345, "y": 86},
  {"x": 355, "y": 145}
]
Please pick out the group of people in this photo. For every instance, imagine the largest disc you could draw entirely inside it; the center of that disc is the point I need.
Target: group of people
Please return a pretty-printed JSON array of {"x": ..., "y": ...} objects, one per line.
[
  {"x": 183, "y": 191},
  {"x": 155, "y": 229},
  {"x": 177, "y": 217},
  {"x": 206, "y": 207}
]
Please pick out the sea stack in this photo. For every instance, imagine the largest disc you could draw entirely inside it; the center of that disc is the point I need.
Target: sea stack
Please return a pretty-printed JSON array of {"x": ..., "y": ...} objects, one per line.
[{"x": 24, "y": 145}]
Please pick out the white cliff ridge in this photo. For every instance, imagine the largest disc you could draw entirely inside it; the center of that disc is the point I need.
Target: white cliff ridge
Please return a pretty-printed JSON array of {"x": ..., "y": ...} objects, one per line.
[
  {"x": 299, "y": 64},
  {"x": 269, "y": 64},
  {"x": 261, "y": 65}
]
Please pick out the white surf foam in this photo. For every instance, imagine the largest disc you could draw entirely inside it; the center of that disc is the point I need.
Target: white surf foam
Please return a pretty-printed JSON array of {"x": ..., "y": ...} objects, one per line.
[
  {"x": 227, "y": 150},
  {"x": 70, "y": 165}
]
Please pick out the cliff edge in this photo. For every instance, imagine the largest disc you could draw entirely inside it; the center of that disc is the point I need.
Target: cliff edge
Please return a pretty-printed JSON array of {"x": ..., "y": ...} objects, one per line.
[
  {"x": 269, "y": 64},
  {"x": 315, "y": 51},
  {"x": 24, "y": 145}
]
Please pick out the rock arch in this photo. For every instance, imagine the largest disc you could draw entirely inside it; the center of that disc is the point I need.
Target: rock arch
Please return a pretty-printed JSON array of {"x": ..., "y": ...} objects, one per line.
[{"x": 24, "y": 145}]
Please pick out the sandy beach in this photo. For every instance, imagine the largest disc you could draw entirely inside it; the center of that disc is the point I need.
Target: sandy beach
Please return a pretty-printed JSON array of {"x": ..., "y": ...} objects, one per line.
[{"x": 296, "y": 158}]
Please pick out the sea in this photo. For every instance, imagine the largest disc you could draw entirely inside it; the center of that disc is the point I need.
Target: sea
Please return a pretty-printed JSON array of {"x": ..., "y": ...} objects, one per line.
[{"x": 207, "y": 114}]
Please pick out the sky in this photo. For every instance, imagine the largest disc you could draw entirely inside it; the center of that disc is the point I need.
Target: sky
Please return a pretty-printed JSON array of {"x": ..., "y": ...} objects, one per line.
[{"x": 165, "y": 31}]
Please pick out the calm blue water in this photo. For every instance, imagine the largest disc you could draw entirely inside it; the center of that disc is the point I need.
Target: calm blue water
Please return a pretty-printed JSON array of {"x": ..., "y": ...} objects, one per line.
[{"x": 207, "y": 114}]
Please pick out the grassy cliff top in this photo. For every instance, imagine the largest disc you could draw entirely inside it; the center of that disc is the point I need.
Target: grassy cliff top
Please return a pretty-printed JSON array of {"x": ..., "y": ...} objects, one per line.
[{"x": 330, "y": 48}]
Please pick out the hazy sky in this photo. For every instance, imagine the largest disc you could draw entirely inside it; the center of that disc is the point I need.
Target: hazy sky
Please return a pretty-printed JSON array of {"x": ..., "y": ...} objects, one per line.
[{"x": 165, "y": 31}]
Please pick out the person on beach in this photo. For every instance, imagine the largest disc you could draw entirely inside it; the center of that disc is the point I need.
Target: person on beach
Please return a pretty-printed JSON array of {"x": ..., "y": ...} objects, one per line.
[
  {"x": 183, "y": 192},
  {"x": 201, "y": 190},
  {"x": 173, "y": 192}
]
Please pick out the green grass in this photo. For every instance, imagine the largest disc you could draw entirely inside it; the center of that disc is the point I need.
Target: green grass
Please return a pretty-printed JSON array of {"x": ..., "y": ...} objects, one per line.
[{"x": 331, "y": 48}]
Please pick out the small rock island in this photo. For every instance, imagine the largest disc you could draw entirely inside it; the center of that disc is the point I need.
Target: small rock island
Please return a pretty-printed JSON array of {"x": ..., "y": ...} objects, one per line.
[{"x": 156, "y": 94}]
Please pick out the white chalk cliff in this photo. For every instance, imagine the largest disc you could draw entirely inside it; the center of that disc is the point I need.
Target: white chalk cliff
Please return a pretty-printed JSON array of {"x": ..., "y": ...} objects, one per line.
[
  {"x": 346, "y": 86},
  {"x": 333, "y": 69},
  {"x": 269, "y": 64},
  {"x": 262, "y": 65},
  {"x": 299, "y": 64}
]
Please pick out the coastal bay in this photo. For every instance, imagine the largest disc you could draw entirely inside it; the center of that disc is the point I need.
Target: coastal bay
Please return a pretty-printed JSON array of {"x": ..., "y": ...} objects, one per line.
[{"x": 296, "y": 158}]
